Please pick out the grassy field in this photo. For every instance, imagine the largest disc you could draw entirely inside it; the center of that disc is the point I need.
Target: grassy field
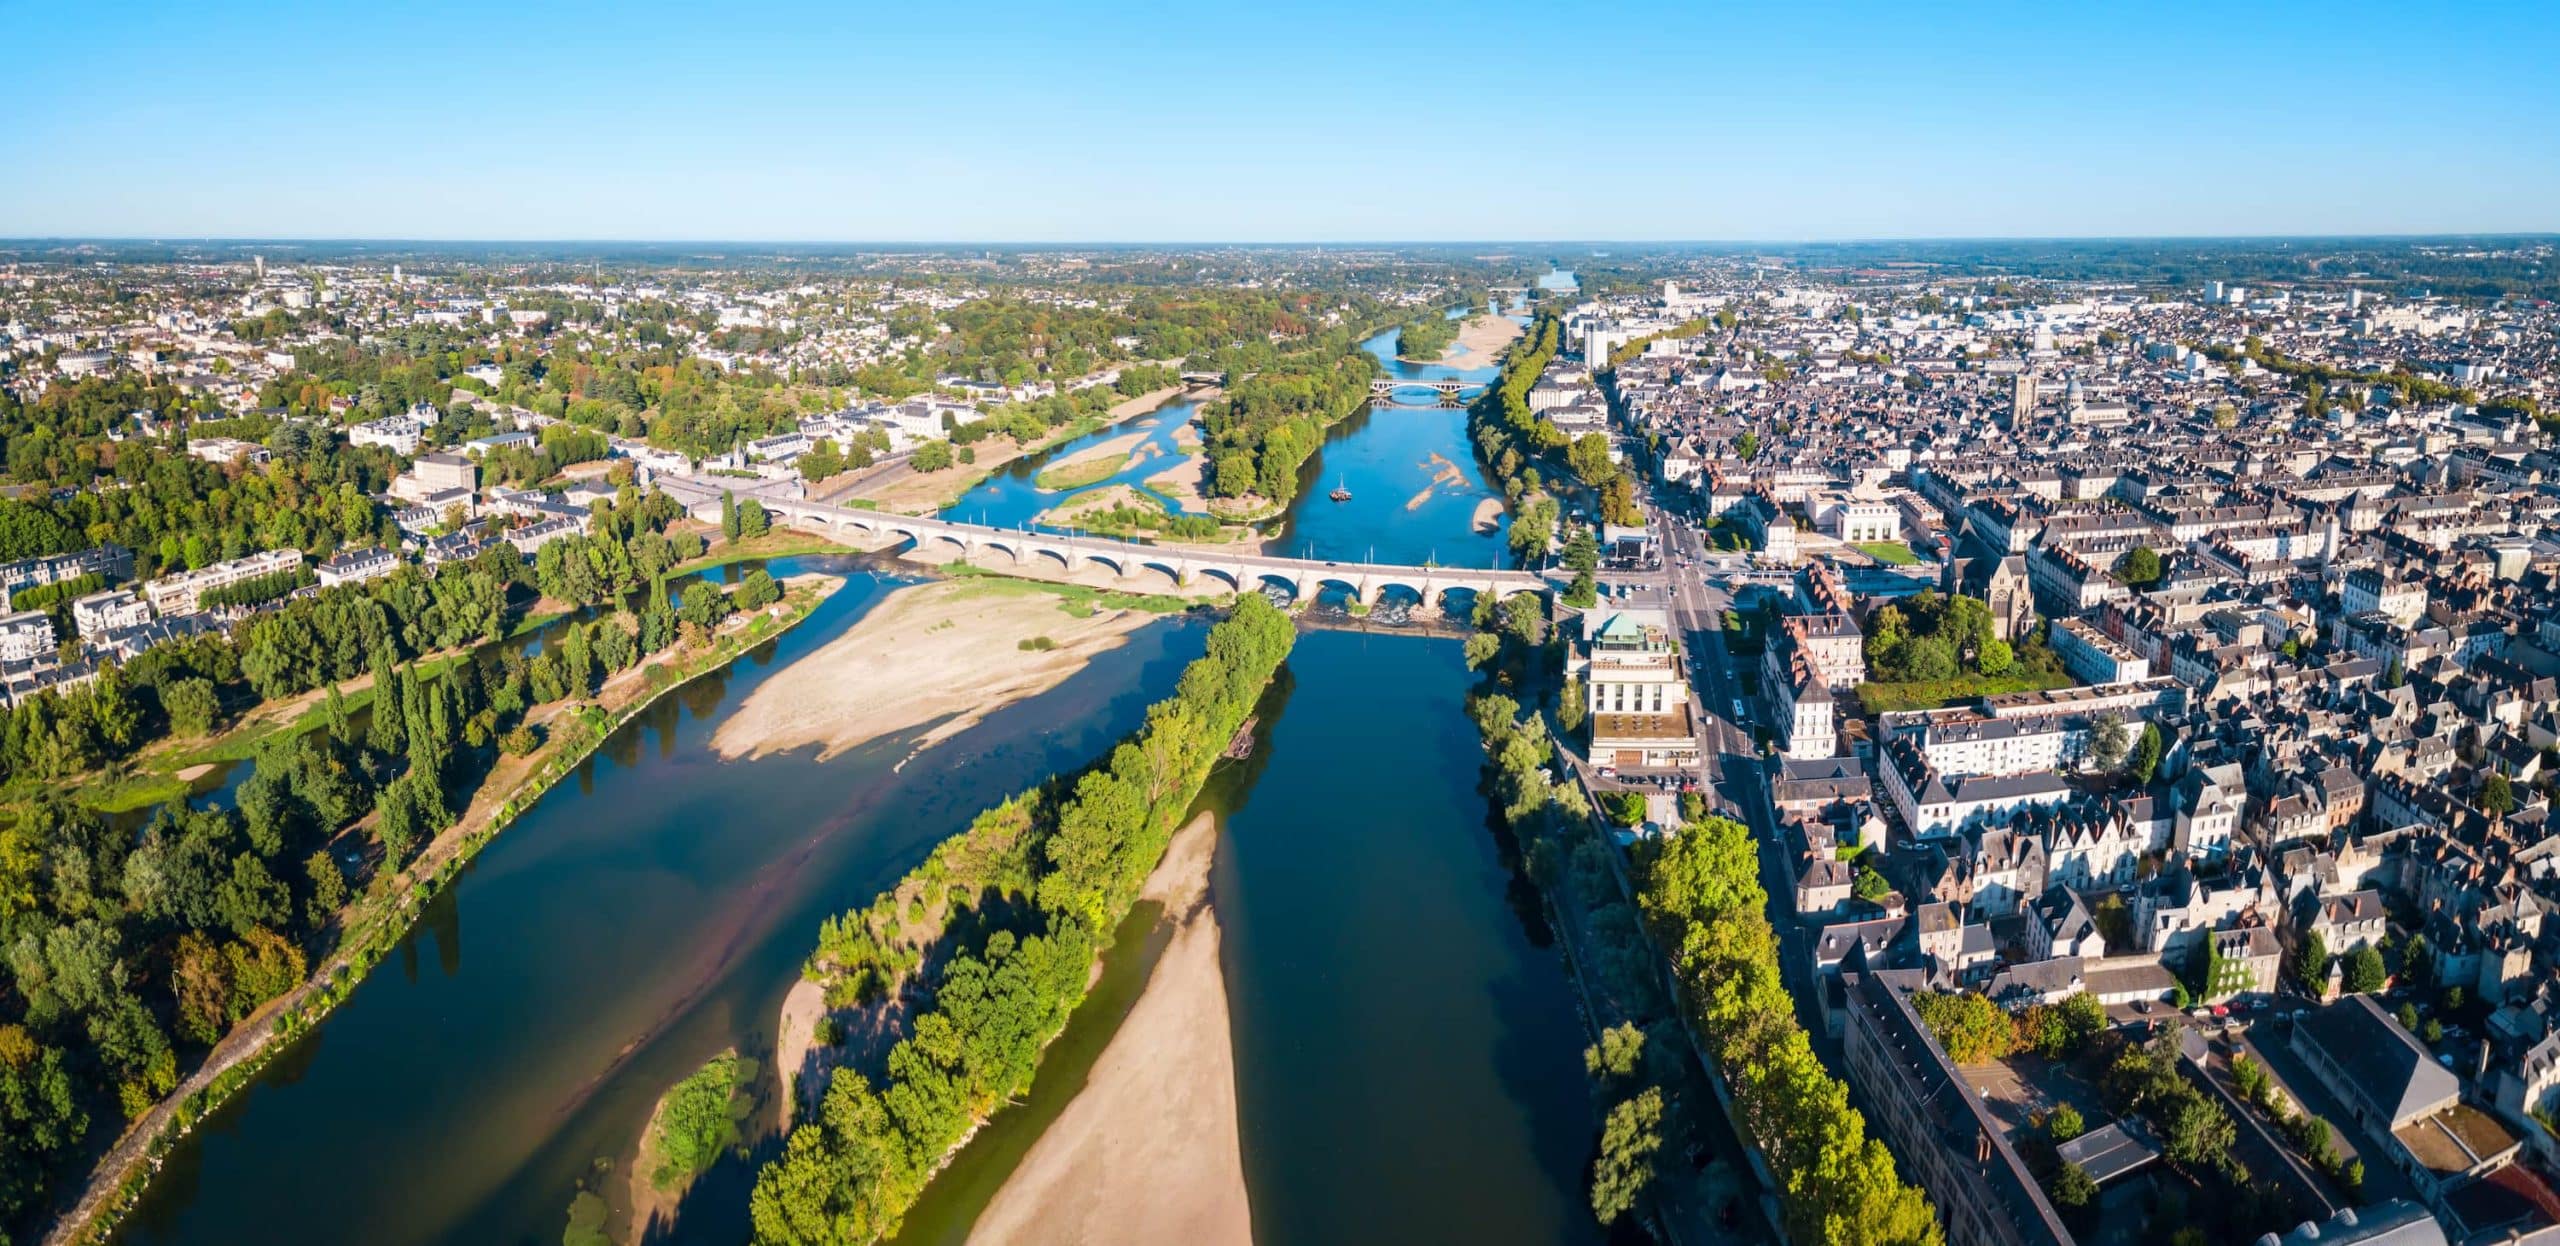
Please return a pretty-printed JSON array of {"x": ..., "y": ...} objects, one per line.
[
  {"x": 1075, "y": 598},
  {"x": 1890, "y": 553}
]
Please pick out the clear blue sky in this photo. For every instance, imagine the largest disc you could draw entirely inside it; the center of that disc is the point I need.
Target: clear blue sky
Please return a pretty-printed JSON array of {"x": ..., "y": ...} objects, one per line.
[{"x": 1318, "y": 122}]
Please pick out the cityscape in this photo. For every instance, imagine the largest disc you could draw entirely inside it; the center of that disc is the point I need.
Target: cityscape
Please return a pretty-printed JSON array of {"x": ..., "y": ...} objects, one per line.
[{"x": 876, "y": 684}]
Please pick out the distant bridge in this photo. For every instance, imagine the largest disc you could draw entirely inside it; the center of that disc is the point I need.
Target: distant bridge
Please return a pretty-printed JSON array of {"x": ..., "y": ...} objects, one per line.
[
  {"x": 1450, "y": 389},
  {"x": 1305, "y": 578}
]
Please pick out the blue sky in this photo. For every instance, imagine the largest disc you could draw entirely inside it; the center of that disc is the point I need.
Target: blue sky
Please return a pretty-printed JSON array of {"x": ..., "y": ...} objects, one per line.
[{"x": 1288, "y": 122}]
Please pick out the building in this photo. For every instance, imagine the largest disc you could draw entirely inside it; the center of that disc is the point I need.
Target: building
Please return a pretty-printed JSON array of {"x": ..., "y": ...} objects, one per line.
[
  {"x": 2396, "y": 1091},
  {"x": 435, "y": 474},
  {"x": 107, "y": 562},
  {"x": 2093, "y": 657},
  {"x": 398, "y": 433},
  {"x": 1632, "y": 683},
  {"x": 26, "y": 636},
  {"x": 179, "y": 594},
  {"x": 358, "y": 565},
  {"x": 2398, "y": 1222},
  {"x": 1938, "y": 1127},
  {"x": 106, "y": 611}
]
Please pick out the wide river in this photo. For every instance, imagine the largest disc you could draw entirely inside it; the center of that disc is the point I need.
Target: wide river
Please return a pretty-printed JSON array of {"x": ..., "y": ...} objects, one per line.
[{"x": 1406, "y": 1044}]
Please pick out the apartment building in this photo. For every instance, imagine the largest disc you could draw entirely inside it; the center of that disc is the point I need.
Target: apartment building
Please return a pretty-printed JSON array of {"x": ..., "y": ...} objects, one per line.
[{"x": 179, "y": 594}]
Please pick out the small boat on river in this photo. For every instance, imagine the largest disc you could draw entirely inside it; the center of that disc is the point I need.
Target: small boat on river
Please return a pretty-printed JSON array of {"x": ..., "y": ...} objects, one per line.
[{"x": 1341, "y": 491}]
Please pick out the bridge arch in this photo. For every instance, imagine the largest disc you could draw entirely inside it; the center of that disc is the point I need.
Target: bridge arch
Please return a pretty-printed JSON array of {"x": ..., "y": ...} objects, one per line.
[
  {"x": 1324, "y": 586},
  {"x": 1232, "y": 578}
]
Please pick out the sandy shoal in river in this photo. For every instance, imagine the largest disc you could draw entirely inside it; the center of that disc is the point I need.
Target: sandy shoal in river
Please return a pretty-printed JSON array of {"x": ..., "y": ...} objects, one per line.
[
  {"x": 1148, "y": 1151},
  {"x": 1479, "y": 340},
  {"x": 1182, "y": 480},
  {"x": 1086, "y": 462},
  {"x": 945, "y": 654}
]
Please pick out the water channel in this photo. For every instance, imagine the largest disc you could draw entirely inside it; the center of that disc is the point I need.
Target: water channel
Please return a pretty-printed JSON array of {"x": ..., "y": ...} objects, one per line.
[{"x": 1406, "y": 1045}]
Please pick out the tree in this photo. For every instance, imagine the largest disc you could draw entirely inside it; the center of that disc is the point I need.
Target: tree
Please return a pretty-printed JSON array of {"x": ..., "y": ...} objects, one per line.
[
  {"x": 728, "y": 516},
  {"x": 1570, "y": 704},
  {"x": 1628, "y": 1142},
  {"x": 1618, "y": 1054},
  {"x": 757, "y": 590},
  {"x": 2392, "y": 675},
  {"x": 1969, "y": 1026},
  {"x": 2200, "y": 1133},
  {"x": 2072, "y": 1188},
  {"x": 2065, "y": 1124},
  {"x": 1481, "y": 648},
  {"x": 2497, "y": 796},
  {"x": 2364, "y": 973},
  {"x": 328, "y": 887},
  {"x": 2146, "y": 755},
  {"x": 2313, "y": 967},
  {"x": 2107, "y": 742},
  {"x": 192, "y": 706},
  {"x": 2140, "y": 566},
  {"x": 1747, "y": 445},
  {"x": 1867, "y": 884},
  {"x": 1995, "y": 658},
  {"x": 932, "y": 456},
  {"x": 1926, "y": 658}
]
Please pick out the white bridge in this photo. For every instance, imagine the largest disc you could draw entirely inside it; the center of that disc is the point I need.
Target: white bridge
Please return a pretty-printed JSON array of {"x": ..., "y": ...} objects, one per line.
[
  {"x": 1240, "y": 571},
  {"x": 1451, "y": 391}
]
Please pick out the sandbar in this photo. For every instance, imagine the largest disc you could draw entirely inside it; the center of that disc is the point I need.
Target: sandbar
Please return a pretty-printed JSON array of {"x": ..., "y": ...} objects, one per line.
[
  {"x": 939, "y": 656},
  {"x": 1479, "y": 340},
  {"x": 1148, "y": 1151}
]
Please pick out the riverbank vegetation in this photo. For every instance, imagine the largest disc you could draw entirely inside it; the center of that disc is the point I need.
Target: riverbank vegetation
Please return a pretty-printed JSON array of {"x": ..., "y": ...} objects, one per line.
[
  {"x": 1125, "y": 511},
  {"x": 1424, "y": 339},
  {"x": 1644, "y": 1086},
  {"x": 991, "y": 943},
  {"x": 697, "y": 1121},
  {"x": 1513, "y": 440},
  {"x": 1270, "y": 421},
  {"x": 1699, "y": 888},
  {"x": 122, "y": 951}
]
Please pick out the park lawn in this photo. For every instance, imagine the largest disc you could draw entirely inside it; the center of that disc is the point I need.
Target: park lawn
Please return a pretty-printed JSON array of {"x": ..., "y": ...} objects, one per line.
[
  {"x": 1928, "y": 694},
  {"x": 1890, "y": 553}
]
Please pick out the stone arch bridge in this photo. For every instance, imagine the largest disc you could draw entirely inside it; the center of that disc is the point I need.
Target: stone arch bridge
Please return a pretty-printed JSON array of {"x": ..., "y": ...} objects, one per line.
[
  {"x": 1451, "y": 391},
  {"x": 1239, "y": 571}
]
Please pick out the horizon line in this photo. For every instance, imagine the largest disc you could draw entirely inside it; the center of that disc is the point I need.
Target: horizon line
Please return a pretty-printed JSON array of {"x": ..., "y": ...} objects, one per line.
[{"x": 7, "y": 240}]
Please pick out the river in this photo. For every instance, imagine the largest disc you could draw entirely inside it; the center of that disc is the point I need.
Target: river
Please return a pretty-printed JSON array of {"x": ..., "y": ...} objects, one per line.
[
  {"x": 637, "y": 920},
  {"x": 1406, "y": 1043}
]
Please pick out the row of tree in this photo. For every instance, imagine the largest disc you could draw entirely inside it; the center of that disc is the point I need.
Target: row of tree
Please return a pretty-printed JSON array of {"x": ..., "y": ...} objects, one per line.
[
  {"x": 1701, "y": 895},
  {"x": 1047, "y": 880},
  {"x": 1512, "y": 440}
]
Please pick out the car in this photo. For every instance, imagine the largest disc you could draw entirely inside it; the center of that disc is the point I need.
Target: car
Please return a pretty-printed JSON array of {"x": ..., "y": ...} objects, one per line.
[{"x": 2142, "y": 1006}]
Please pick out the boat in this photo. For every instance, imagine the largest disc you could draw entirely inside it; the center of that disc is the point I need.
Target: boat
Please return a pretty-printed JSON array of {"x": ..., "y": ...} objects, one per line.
[{"x": 1341, "y": 492}]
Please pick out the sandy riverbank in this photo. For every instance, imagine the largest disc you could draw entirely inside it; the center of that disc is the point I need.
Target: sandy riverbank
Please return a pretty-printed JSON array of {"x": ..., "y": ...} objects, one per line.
[
  {"x": 1488, "y": 516},
  {"x": 1148, "y": 1151},
  {"x": 1183, "y": 481},
  {"x": 940, "y": 655},
  {"x": 1480, "y": 339}
]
